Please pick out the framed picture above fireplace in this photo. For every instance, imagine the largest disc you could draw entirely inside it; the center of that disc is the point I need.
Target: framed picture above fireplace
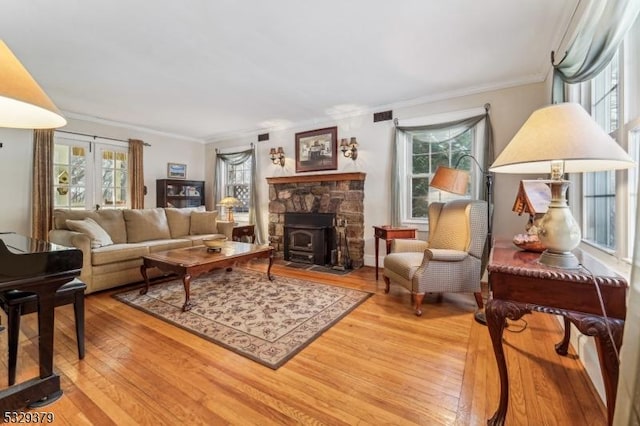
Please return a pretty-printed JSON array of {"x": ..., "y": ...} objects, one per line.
[{"x": 317, "y": 150}]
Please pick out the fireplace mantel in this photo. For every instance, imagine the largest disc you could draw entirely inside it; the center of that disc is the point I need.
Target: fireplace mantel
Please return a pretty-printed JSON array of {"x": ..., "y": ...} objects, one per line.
[{"x": 326, "y": 177}]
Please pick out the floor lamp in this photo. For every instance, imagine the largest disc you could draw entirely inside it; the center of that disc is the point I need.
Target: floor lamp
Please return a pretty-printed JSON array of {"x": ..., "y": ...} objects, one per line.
[
  {"x": 456, "y": 181},
  {"x": 23, "y": 104}
]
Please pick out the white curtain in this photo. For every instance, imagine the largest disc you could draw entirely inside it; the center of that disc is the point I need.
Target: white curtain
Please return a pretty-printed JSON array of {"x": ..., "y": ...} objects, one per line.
[{"x": 604, "y": 25}]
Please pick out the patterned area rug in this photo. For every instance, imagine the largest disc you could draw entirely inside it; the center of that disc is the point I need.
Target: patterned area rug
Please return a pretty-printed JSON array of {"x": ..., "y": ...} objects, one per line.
[{"x": 266, "y": 321}]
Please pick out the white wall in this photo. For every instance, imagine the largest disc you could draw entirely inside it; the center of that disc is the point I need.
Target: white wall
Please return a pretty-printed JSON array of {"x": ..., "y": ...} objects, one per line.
[
  {"x": 16, "y": 163},
  {"x": 509, "y": 109},
  {"x": 16, "y": 159}
]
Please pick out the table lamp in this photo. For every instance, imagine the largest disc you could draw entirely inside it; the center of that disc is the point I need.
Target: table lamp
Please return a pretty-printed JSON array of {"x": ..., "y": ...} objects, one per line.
[
  {"x": 229, "y": 203},
  {"x": 558, "y": 139}
]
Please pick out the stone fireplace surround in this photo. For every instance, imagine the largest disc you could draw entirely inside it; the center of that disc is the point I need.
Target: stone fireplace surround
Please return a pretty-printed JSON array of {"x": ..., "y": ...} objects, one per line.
[{"x": 338, "y": 193}]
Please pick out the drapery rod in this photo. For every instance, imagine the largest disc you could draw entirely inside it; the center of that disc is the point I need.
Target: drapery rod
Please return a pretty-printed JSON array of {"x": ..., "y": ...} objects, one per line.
[
  {"x": 486, "y": 107},
  {"x": 218, "y": 151},
  {"x": 101, "y": 137}
]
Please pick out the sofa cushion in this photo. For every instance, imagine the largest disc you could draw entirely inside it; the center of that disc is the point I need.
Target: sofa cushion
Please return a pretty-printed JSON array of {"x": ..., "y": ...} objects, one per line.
[
  {"x": 180, "y": 220},
  {"x": 112, "y": 220},
  {"x": 452, "y": 229},
  {"x": 203, "y": 223},
  {"x": 60, "y": 217},
  {"x": 162, "y": 245},
  {"x": 403, "y": 264},
  {"x": 146, "y": 225},
  {"x": 96, "y": 233},
  {"x": 118, "y": 253}
]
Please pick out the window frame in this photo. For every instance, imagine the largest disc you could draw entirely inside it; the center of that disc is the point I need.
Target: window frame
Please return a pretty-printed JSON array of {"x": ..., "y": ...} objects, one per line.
[
  {"x": 405, "y": 155},
  {"x": 240, "y": 214},
  {"x": 94, "y": 147},
  {"x": 624, "y": 211}
]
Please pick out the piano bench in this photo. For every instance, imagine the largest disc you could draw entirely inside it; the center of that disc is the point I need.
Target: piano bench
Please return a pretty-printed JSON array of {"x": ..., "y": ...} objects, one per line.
[{"x": 17, "y": 303}]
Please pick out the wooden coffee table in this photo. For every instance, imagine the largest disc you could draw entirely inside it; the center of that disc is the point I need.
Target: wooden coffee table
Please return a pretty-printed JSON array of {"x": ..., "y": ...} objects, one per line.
[{"x": 192, "y": 262}]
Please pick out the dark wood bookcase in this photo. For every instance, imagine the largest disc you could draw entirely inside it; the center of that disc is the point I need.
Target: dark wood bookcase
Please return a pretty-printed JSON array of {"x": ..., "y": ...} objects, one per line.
[{"x": 179, "y": 193}]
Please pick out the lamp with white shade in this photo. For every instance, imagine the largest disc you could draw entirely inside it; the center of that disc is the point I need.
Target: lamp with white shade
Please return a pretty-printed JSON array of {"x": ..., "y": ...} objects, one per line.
[
  {"x": 558, "y": 139},
  {"x": 23, "y": 104},
  {"x": 229, "y": 203}
]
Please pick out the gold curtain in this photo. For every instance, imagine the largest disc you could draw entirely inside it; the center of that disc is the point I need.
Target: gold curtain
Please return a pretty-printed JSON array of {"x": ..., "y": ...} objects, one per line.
[
  {"x": 42, "y": 191},
  {"x": 136, "y": 173}
]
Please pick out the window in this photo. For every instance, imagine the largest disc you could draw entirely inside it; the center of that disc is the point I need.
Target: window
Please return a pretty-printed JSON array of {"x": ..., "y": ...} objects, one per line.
[
  {"x": 238, "y": 184},
  {"x": 599, "y": 189},
  {"x": 424, "y": 152},
  {"x": 234, "y": 178},
  {"x": 609, "y": 199},
  {"x": 89, "y": 174},
  {"x": 69, "y": 175}
]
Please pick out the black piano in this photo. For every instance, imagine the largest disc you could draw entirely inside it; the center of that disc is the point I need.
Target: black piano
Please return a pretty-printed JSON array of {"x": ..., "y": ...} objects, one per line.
[{"x": 40, "y": 267}]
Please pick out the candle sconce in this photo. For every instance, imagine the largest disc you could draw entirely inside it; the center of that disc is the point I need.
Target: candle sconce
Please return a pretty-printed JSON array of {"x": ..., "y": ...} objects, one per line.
[
  {"x": 349, "y": 148},
  {"x": 277, "y": 157}
]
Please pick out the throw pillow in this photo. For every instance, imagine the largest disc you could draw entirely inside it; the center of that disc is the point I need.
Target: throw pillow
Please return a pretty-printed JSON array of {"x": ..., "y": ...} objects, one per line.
[
  {"x": 96, "y": 233},
  {"x": 146, "y": 225},
  {"x": 203, "y": 223},
  {"x": 180, "y": 219}
]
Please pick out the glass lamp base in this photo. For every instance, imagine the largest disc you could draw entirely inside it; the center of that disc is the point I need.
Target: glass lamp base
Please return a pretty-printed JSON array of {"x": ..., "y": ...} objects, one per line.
[{"x": 565, "y": 260}]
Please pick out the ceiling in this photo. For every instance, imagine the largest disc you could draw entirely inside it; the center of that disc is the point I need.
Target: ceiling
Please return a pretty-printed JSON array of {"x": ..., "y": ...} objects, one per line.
[{"x": 209, "y": 69}]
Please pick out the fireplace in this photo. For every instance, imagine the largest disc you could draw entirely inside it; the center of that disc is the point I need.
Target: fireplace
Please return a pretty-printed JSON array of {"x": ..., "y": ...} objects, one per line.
[
  {"x": 337, "y": 194},
  {"x": 309, "y": 237}
]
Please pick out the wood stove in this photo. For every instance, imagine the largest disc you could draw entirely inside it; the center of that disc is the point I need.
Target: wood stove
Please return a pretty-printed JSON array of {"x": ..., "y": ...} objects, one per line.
[{"x": 309, "y": 237}]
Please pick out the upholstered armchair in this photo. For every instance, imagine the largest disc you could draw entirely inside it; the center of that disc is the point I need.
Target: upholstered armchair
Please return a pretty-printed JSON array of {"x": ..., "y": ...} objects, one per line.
[{"x": 450, "y": 261}]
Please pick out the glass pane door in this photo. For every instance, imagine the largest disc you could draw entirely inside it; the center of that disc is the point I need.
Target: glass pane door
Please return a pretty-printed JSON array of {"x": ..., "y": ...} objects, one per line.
[{"x": 70, "y": 174}]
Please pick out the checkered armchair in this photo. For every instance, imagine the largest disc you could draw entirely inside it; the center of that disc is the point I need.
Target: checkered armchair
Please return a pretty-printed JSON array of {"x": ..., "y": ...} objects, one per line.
[{"x": 451, "y": 261}]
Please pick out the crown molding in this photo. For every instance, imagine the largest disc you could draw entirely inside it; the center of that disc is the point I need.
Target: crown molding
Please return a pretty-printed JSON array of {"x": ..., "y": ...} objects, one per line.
[
  {"x": 321, "y": 121},
  {"x": 318, "y": 121},
  {"x": 98, "y": 120}
]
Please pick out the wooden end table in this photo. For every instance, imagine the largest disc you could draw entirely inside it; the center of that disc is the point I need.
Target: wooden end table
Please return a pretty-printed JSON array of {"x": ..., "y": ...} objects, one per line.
[
  {"x": 520, "y": 284},
  {"x": 388, "y": 233},
  {"x": 244, "y": 232},
  {"x": 192, "y": 262}
]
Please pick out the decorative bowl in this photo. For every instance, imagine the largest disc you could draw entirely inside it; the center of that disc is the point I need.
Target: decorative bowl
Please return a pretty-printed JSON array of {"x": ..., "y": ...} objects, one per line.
[
  {"x": 214, "y": 243},
  {"x": 528, "y": 242}
]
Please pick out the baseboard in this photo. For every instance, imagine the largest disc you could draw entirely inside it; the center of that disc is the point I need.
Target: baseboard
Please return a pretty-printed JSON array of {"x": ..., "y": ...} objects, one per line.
[{"x": 588, "y": 354}]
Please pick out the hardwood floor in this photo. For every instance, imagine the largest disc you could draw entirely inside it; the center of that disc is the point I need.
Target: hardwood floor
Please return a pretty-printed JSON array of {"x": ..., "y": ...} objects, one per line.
[{"x": 378, "y": 365}]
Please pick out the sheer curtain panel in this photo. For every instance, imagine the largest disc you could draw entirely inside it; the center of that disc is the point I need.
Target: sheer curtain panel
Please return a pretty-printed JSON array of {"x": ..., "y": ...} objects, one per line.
[{"x": 604, "y": 25}]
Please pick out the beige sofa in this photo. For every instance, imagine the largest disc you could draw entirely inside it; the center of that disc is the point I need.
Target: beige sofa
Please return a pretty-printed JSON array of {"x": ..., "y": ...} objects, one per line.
[{"x": 114, "y": 241}]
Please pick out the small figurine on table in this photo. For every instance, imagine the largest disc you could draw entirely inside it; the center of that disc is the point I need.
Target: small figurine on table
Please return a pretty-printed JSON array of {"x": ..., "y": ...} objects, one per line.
[{"x": 533, "y": 197}]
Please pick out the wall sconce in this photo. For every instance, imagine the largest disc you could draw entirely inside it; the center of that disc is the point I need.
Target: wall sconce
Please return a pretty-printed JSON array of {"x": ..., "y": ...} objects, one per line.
[
  {"x": 349, "y": 148},
  {"x": 277, "y": 157}
]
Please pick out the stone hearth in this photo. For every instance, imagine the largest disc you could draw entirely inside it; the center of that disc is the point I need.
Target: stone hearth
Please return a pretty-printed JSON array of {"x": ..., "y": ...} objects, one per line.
[{"x": 338, "y": 193}]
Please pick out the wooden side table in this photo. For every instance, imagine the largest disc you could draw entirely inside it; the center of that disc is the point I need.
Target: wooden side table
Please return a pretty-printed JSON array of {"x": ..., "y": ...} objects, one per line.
[
  {"x": 520, "y": 284},
  {"x": 243, "y": 232},
  {"x": 388, "y": 233}
]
